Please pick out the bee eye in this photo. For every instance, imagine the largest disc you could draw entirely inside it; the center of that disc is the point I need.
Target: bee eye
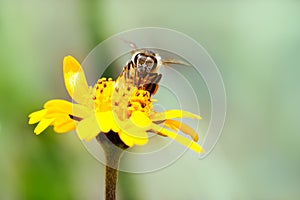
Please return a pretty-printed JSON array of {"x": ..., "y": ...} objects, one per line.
[
  {"x": 149, "y": 64},
  {"x": 141, "y": 60},
  {"x": 145, "y": 63},
  {"x": 149, "y": 61}
]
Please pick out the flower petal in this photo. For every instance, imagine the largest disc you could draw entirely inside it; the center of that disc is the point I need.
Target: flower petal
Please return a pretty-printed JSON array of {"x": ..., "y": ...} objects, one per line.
[
  {"x": 140, "y": 119},
  {"x": 130, "y": 139},
  {"x": 113, "y": 122},
  {"x": 59, "y": 105},
  {"x": 63, "y": 123},
  {"x": 132, "y": 131},
  {"x": 105, "y": 121},
  {"x": 81, "y": 111},
  {"x": 44, "y": 123},
  {"x": 169, "y": 114},
  {"x": 179, "y": 138},
  {"x": 56, "y": 112},
  {"x": 88, "y": 128},
  {"x": 177, "y": 125},
  {"x": 75, "y": 80},
  {"x": 37, "y": 116},
  {"x": 65, "y": 127}
]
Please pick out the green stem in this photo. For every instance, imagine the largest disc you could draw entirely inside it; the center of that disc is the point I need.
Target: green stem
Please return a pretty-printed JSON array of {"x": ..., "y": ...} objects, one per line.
[{"x": 113, "y": 148}]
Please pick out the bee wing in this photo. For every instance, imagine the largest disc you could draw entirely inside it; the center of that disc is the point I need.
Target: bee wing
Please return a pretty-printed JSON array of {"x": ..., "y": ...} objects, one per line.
[
  {"x": 168, "y": 62},
  {"x": 131, "y": 77}
]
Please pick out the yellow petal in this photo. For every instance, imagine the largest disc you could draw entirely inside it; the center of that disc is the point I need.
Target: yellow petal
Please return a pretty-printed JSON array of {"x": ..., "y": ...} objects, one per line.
[
  {"x": 58, "y": 105},
  {"x": 179, "y": 138},
  {"x": 177, "y": 125},
  {"x": 37, "y": 116},
  {"x": 104, "y": 120},
  {"x": 169, "y": 114},
  {"x": 136, "y": 132},
  {"x": 129, "y": 138},
  {"x": 88, "y": 128},
  {"x": 131, "y": 133},
  {"x": 129, "y": 141},
  {"x": 81, "y": 111},
  {"x": 140, "y": 119},
  {"x": 65, "y": 127},
  {"x": 107, "y": 121},
  {"x": 75, "y": 80},
  {"x": 113, "y": 122},
  {"x": 44, "y": 123},
  {"x": 57, "y": 115},
  {"x": 61, "y": 119}
]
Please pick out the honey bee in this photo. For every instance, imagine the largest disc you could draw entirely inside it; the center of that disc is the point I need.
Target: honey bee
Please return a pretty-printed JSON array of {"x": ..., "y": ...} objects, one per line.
[{"x": 141, "y": 70}]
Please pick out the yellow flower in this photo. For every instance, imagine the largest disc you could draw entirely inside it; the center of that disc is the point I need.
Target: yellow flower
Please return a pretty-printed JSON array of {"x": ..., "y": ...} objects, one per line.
[{"x": 110, "y": 106}]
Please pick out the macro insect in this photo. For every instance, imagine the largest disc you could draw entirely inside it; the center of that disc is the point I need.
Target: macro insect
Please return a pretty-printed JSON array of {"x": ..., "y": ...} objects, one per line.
[{"x": 141, "y": 70}]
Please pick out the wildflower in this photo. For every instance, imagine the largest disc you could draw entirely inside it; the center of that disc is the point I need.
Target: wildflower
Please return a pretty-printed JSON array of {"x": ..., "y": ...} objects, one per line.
[{"x": 110, "y": 106}]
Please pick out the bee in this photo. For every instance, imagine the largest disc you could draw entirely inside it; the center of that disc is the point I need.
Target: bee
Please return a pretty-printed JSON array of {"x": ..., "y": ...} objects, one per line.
[{"x": 141, "y": 70}]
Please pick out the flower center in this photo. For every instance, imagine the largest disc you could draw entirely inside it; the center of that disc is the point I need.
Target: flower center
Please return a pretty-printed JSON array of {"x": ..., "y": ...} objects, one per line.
[
  {"x": 103, "y": 93},
  {"x": 140, "y": 101},
  {"x": 122, "y": 101}
]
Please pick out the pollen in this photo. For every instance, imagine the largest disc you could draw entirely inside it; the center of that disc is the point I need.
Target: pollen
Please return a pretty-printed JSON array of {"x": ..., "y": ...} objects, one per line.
[
  {"x": 141, "y": 101},
  {"x": 103, "y": 93},
  {"x": 107, "y": 97}
]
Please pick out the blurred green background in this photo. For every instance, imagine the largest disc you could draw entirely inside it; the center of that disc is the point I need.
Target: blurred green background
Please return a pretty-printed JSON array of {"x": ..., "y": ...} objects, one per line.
[{"x": 256, "y": 45}]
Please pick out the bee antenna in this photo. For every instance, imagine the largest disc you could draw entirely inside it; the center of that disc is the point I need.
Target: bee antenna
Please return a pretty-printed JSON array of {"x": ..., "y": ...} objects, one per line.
[{"x": 131, "y": 44}]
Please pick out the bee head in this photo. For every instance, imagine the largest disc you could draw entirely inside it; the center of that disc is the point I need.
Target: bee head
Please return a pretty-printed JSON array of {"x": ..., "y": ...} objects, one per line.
[{"x": 146, "y": 61}]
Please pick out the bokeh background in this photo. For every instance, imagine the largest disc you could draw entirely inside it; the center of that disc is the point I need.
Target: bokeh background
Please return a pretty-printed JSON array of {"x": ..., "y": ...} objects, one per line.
[{"x": 256, "y": 45}]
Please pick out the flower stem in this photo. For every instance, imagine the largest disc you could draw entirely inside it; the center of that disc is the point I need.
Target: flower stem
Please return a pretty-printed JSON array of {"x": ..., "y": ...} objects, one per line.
[
  {"x": 113, "y": 148},
  {"x": 111, "y": 178}
]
